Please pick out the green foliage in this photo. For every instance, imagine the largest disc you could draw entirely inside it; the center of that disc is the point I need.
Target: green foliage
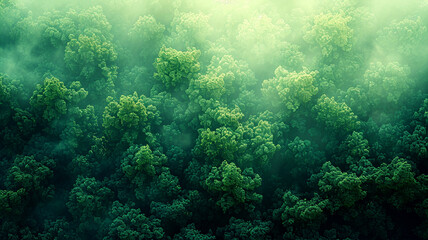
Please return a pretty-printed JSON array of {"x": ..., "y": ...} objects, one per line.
[
  {"x": 174, "y": 213},
  {"x": 164, "y": 187},
  {"x": 146, "y": 35},
  {"x": 233, "y": 187},
  {"x": 139, "y": 162},
  {"x": 93, "y": 59},
  {"x": 237, "y": 75},
  {"x": 178, "y": 212},
  {"x": 415, "y": 144},
  {"x": 209, "y": 86},
  {"x": 88, "y": 201},
  {"x": 289, "y": 90},
  {"x": 129, "y": 119},
  {"x": 221, "y": 116},
  {"x": 422, "y": 114},
  {"x": 16, "y": 124},
  {"x": 404, "y": 36},
  {"x": 175, "y": 68},
  {"x": 191, "y": 233},
  {"x": 331, "y": 32},
  {"x": 336, "y": 116},
  {"x": 258, "y": 144},
  {"x": 341, "y": 188},
  {"x": 147, "y": 30},
  {"x": 302, "y": 158},
  {"x": 397, "y": 181},
  {"x": 216, "y": 146},
  {"x": 57, "y": 28},
  {"x": 78, "y": 134},
  {"x": 57, "y": 229},
  {"x": 355, "y": 147},
  {"x": 358, "y": 100},
  {"x": 83, "y": 166},
  {"x": 252, "y": 230},
  {"x": 50, "y": 99},
  {"x": 386, "y": 83},
  {"x": 195, "y": 173},
  {"x": 5, "y": 94},
  {"x": 32, "y": 175},
  {"x": 189, "y": 30},
  {"x": 9, "y": 18},
  {"x": 297, "y": 214},
  {"x": 131, "y": 223},
  {"x": 11, "y": 202},
  {"x": 144, "y": 159},
  {"x": 141, "y": 165},
  {"x": 158, "y": 119}
]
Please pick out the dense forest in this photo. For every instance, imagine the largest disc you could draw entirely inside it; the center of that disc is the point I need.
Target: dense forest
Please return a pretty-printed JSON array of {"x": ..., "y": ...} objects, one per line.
[{"x": 214, "y": 119}]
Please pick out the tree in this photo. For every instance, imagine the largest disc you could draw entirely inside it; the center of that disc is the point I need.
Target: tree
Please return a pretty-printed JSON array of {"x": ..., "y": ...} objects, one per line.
[
  {"x": 398, "y": 183},
  {"x": 10, "y": 16},
  {"x": 289, "y": 90},
  {"x": 16, "y": 124},
  {"x": 404, "y": 36},
  {"x": 207, "y": 86},
  {"x": 422, "y": 114},
  {"x": 139, "y": 164},
  {"x": 298, "y": 215},
  {"x": 258, "y": 144},
  {"x": 131, "y": 223},
  {"x": 386, "y": 83},
  {"x": 93, "y": 59},
  {"x": 88, "y": 202},
  {"x": 176, "y": 68},
  {"x": 176, "y": 214},
  {"x": 50, "y": 99},
  {"x": 57, "y": 229},
  {"x": 12, "y": 202},
  {"x": 32, "y": 175},
  {"x": 252, "y": 230},
  {"x": 79, "y": 131},
  {"x": 189, "y": 30},
  {"x": 218, "y": 145},
  {"x": 58, "y": 28},
  {"x": 334, "y": 115},
  {"x": 354, "y": 148},
  {"x": 221, "y": 117},
  {"x": 237, "y": 74},
  {"x": 190, "y": 232},
  {"x": 302, "y": 158},
  {"x": 129, "y": 119},
  {"x": 234, "y": 189},
  {"x": 331, "y": 32},
  {"x": 340, "y": 188},
  {"x": 146, "y": 35}
]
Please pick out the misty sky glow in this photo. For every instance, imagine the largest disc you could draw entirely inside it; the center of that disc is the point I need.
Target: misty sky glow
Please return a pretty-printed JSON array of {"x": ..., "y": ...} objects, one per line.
[{"x": 220, "y": 119}]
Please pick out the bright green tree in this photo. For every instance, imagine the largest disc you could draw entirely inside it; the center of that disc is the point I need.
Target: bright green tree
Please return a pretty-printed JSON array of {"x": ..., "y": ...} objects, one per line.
[
  {"x": 129, "y": 119},
  {"x": 50, "y": 99},
  {"x": 289, "y": 90},
  {"x": 233, "y": 187},
  {"x": 176, "y": 68},
  {"x": 331, "y": 32},
  {"x": 336, "y": 116}
]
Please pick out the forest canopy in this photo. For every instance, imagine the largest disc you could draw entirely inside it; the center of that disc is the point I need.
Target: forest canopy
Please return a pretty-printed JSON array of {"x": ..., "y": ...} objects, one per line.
[{"x": 216, "y": 119}]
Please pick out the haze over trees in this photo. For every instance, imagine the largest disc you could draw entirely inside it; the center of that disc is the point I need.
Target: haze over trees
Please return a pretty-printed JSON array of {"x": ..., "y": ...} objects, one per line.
[{"x": 217, "y": 119}]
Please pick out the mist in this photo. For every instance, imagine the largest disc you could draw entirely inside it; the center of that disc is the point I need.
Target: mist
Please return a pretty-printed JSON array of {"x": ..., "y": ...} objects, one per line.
[{"x": 217, "y": 119}]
